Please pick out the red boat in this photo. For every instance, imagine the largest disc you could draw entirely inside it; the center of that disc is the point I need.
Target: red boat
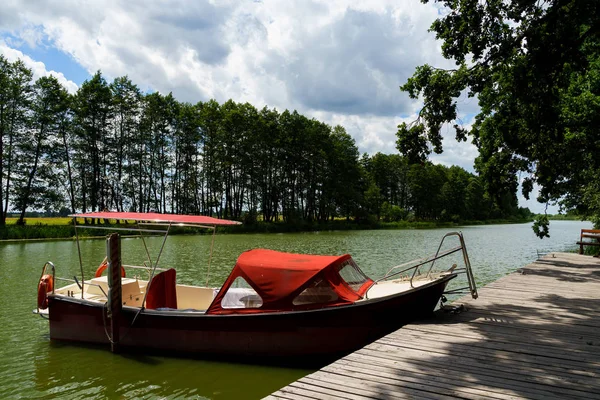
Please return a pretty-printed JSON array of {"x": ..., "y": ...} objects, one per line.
[{"x": 273, "y": 304}]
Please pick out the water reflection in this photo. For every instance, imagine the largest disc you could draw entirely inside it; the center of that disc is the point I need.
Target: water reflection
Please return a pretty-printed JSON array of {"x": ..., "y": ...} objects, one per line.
[{"x": 93, "y": 372}]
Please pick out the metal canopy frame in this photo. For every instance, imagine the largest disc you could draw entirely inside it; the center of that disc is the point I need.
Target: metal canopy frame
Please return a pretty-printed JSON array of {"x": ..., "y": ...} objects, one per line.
[{"x": 142, "y": 227}]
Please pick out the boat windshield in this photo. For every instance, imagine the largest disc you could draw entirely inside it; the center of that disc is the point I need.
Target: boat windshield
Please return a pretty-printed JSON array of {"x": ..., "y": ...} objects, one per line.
[
  {"x": 241, "y": 295},
  {"x": 352, "y": 275},
  {"x": 319, "y": 291}
]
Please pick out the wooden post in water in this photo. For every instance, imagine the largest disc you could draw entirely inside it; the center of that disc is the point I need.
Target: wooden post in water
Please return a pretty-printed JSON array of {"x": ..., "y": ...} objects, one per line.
[{"x": 113, "y": 254}]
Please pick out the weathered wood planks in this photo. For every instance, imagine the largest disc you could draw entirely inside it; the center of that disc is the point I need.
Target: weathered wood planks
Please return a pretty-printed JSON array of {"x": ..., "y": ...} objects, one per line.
[{"x": 532, "y": 334}]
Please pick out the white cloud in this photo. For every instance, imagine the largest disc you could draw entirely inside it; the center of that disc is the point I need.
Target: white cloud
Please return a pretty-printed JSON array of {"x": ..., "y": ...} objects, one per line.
[
  {"x": 344, "y": 57},
  {"x": 38, "y": 68},
  {"x": 339, "y": 61}
]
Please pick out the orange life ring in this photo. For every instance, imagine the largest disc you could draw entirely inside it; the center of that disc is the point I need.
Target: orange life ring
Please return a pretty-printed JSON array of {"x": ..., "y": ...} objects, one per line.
[
  {"x": 103, "y": 267},
  {"x": 45, "y": 286}
]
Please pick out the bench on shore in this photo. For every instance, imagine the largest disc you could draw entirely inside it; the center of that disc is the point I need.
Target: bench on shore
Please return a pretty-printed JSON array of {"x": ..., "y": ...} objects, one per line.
[{"x": 593, "y": 234}]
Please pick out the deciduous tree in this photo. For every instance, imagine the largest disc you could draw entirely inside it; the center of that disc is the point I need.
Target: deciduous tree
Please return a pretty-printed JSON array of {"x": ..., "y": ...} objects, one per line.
[{"x": 534, "y": 67}]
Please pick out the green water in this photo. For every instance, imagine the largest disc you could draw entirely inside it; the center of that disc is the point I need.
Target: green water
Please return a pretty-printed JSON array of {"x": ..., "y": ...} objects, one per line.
[{"x": 33, "y": 367}]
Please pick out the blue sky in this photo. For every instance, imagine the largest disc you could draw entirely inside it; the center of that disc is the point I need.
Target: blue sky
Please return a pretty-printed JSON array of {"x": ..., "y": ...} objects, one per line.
[
  {"x": 339, "y": 61},
  {"x": 56, "y": 60},
  {"x": 53, "y": 58}
]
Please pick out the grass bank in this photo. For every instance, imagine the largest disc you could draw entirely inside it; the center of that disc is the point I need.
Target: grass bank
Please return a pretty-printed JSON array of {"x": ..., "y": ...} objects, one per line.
[{"x": 62, "y": 228}]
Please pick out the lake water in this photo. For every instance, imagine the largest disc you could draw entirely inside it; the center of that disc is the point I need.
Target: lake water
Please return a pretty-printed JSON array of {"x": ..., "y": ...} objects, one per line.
[{"x": 33, "y": 367}]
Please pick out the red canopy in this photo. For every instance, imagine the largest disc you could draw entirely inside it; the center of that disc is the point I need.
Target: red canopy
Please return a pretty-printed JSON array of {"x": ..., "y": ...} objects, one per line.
[
  {"x": 278, "y": 278},
  {"x": 156, "y": 217}
]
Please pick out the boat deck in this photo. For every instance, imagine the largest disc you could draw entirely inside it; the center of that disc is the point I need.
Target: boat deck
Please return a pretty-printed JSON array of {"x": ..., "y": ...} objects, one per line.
[{"x": 532, "y": 334}]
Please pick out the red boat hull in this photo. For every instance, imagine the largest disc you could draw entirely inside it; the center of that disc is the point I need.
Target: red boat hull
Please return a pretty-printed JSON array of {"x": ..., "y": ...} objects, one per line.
[{"x": 322, "y": 332}]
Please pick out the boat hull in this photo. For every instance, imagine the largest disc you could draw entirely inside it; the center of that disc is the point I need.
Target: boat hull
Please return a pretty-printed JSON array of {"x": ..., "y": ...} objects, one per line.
[{"x": 322, "y": 332}]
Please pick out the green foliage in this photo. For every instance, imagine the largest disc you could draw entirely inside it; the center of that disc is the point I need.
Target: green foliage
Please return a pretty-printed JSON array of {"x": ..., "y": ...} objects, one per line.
[
  {"x": 250, "y": 217},
  {"x": 36, "y": 231},
  {"x": 392, "y": 213},
  {"x": 36, "y": 170},
  {"x": 412, "y": 143},
  {"x": 590, "y": 197},
  {"x": 541, "y": 226},
  {"x": 396, "y": 190},
  {"x": 16, "y": 93},
  {"x": 534, "y": 68}
]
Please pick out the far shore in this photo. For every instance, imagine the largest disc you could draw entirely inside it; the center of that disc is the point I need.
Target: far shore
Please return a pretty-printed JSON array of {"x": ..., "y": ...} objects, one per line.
[
  {"x": 61, "y": 228},
  {"x": 57, "y": 228}
]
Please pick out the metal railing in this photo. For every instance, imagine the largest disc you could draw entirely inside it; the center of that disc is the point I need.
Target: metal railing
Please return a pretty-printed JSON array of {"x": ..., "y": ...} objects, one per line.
[
  {"x": 144, "y": 268},
  {"x": 415, "y": 266},
  {"x": 48, "y": 263},
  {"x": 80, "y": 285}
]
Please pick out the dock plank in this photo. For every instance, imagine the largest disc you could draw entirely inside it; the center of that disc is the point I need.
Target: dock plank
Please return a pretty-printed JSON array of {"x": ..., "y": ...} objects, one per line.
[
  {"x": 343, "y": 383},
  {"x": 477, "y": 382},
  {"x": 532, "y": 334},
  {"x": 486, "y": 343},
  {"x": 513, "y": 335},
  {"x": 465, "y": 372}
]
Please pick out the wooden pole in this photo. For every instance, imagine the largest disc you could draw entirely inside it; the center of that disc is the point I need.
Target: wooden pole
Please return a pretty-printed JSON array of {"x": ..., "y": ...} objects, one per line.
[{"x": 113, "y": 254}]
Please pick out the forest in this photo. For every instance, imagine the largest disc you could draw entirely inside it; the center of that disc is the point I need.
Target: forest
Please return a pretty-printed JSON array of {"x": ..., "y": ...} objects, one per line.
[{"x": 111, "y": 146}]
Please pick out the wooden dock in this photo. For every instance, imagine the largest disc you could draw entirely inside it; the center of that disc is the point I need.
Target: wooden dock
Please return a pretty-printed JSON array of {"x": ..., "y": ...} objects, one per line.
[{"x": 532, "y": 334}]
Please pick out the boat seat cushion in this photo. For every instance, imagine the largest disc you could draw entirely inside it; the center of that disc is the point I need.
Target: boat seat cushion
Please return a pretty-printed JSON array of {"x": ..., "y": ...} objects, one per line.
[
  {"x": 162, "y": 291},
  {"x": 194, "y": 297}
]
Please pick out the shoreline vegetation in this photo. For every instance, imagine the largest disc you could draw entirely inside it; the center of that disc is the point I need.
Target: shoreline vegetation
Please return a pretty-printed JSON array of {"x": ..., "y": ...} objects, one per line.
[
  {"x": 112, "y": 146},
  {"x": 56, "y": 228}
]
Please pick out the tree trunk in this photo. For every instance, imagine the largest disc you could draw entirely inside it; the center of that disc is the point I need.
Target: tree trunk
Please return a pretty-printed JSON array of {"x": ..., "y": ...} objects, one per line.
[
  {"x": 27, "y": 190},
  {"x": 69, "y": 172},
  {"x": 9, "y": 163},
  {"x": 2, "y": 213}
]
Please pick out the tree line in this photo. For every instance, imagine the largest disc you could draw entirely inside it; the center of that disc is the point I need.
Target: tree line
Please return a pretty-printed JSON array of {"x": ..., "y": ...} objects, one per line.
[{"x": 111, "y": 146}]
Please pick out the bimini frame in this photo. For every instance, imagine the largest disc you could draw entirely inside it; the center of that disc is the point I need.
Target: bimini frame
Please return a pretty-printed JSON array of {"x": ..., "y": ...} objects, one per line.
[{"x": 148, "y": 223}]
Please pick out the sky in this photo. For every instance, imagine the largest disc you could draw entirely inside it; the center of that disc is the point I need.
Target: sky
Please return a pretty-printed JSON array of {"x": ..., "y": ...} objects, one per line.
[{"x": 341, "y": 62}]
